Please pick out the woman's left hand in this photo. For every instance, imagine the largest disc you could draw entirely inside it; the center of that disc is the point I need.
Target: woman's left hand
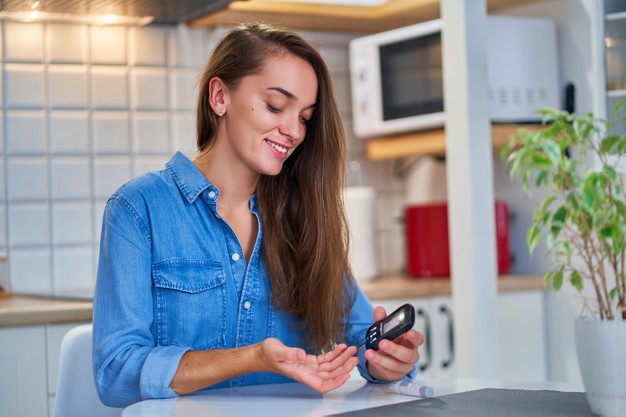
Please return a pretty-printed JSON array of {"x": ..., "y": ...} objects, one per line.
[{"x": 394, "y": 359}]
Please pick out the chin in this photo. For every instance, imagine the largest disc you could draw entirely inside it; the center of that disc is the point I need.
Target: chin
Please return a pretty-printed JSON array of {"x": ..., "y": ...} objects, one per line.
[{"x": 271, "y": 171}]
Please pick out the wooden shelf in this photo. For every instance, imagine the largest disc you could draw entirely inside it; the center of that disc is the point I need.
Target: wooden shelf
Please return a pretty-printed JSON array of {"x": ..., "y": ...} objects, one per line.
[
  {"x": 334, "y": 17},
  {"x": 403, "y": 286},
  {"x": 432, "y": 142}
]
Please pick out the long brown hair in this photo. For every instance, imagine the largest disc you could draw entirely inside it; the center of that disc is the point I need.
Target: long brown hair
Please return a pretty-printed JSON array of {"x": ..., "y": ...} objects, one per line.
[{"x": 305, "y": 234}]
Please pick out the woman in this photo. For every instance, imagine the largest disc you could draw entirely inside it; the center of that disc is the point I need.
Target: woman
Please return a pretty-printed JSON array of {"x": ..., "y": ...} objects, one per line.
[{"x": 223, "y": 271}]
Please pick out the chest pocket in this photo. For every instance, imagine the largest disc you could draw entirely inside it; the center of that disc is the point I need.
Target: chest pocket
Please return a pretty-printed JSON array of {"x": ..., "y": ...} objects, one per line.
[{"x": 190, "y": 303}]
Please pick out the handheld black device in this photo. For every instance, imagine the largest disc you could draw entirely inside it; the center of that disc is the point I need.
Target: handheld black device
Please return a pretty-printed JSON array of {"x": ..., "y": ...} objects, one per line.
[{"x": 391, "y": 326}]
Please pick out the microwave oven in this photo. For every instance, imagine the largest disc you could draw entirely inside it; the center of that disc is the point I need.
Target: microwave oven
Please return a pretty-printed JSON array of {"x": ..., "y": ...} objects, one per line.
[{"x": 397, "y": 78}]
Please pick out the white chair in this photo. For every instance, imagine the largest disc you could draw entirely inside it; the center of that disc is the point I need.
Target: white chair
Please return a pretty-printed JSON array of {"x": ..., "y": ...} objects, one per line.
[{"x": 76, "y": 394}]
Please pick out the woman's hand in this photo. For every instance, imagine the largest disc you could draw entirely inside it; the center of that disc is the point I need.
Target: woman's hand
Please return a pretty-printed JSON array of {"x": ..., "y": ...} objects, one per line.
[
  {"x": 394, "y": 358},
  {"x": 323, "y": 373}
]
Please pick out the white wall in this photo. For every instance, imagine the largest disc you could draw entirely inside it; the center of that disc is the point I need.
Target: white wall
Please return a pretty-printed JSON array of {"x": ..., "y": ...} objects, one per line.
[
  {"x": 576, "y": 24},
  {"x": 86, "y": 108}
]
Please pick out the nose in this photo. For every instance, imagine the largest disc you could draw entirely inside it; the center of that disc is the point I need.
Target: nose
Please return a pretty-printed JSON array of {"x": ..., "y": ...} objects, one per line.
[{"x": 292, "y": 127}]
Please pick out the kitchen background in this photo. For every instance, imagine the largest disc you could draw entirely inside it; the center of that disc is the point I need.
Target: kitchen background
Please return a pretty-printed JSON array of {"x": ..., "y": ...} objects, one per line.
[{"x": 86, "y": 108}]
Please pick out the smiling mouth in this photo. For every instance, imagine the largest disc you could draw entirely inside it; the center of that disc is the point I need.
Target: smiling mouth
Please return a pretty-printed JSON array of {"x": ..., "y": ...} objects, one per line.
[{"x": 278, "y": 147}]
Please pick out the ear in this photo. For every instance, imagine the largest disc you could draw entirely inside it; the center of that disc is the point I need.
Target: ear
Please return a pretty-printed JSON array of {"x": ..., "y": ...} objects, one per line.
[{"x": 218, "y": 93}]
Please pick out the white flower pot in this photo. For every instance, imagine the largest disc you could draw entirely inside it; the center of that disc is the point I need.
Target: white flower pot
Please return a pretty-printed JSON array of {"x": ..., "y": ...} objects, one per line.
[{"x": 601, "y": 348}]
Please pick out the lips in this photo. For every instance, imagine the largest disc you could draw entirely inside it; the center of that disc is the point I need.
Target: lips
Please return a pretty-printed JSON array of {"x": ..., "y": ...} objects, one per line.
[{"x": 279, "y": 149}]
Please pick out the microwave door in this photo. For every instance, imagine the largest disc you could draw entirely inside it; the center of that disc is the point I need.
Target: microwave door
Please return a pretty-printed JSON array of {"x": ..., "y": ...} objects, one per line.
[{"x": 411, "y": 77}]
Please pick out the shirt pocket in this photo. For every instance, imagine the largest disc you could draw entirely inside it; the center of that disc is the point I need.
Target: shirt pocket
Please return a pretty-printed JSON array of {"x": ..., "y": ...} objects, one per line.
[{"x": 190, "y": 303}]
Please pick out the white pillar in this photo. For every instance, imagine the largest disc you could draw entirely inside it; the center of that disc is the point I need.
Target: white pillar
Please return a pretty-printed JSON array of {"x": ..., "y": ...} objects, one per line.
[{"x": 470, "y": 189}]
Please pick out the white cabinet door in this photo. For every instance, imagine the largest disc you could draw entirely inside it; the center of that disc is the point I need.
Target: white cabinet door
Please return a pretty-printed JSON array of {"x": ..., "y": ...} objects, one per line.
[
  {"x": 434, "y": 320},
  {"x": 522, "y": 333},
  {"x": 442, "y": 333},
  {"x": 523, "y": 348},
  {"x": 23, "y": 390}
]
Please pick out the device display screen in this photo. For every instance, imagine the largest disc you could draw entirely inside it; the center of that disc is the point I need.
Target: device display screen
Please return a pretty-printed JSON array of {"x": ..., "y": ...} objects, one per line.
[{"x": 394, "y": 322}]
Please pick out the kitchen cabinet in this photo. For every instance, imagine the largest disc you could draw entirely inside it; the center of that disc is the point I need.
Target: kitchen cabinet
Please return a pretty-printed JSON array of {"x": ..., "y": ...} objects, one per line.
[
  {"x": 29, "y": 364},
  {"x": 433, "y": 142},
  {"x": 333, "y": 17},
  {"x": 521, "y": 333},
  {"x": 23, "y": 387}
]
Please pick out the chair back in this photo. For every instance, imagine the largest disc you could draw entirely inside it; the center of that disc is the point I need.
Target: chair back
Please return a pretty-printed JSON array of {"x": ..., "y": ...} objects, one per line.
[{"x": 76, "y": 394}]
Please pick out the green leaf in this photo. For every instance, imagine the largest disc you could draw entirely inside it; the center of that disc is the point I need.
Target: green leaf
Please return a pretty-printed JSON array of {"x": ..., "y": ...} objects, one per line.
[
  {"x": 505, "y": 150},
  {"x": 547, "y": 277},
  {"x": 533, "y": 236},
  {"x": 577, "y": 281},
  {"x": 552, "y": 150},
  {"x": 606, "y": 232},
  {"x": 542, "y": 178},
  {"x": 557, "y": 280},
  {"x": 609, "y": 171},
  {"x": 589, "y": 197},
  {"x": 558, "y": 220}
]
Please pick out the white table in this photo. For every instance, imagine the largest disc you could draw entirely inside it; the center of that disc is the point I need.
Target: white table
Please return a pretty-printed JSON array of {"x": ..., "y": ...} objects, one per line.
[{"x": 294, "y": 399}]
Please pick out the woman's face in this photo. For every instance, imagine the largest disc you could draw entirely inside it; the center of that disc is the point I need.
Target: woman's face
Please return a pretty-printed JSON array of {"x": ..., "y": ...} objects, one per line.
[{"x": 266, "y": 114}]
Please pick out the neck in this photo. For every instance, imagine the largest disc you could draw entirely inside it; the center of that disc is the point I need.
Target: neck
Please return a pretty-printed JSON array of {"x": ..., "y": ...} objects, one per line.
[{"x": 236, "y": 186}]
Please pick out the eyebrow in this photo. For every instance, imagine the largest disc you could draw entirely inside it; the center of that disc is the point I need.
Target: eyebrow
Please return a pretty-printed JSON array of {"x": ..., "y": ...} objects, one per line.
[{"x": 288, "y": 94}]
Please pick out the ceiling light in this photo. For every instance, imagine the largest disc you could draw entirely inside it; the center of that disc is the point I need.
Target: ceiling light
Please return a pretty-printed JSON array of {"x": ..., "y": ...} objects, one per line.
[
  {"x": 342, "y": 2},
  {"x": 90, "y": 19}
]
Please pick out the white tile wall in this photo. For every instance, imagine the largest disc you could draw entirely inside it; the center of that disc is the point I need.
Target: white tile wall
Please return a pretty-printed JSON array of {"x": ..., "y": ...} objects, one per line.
[
  {"x": 70, "y": 178},
  {"x": 67, "y": 86},
  {"x": 107, "y": 45},
  {"x": 29, "y": 224},
  {"x": 152, "y": 56},
  {"x": 31, "y": 270},
  {"x": 84, "y": 109},
  {"x": 24, "y": 42},
  {"x": 27, "y": 178},
  {"x": 69, "y": 132},
  {"x": 109, "y": 88},
  {"x": 148, "y": 88},
  {"x": 66, "y": 44},
  {"x": 25, "y": 132},
  {"x": 151, "y": 133},
  {"x": 111, "y": 133},
  {"x": 23, "y": 86},
  {"x": 71, "y": 223}
]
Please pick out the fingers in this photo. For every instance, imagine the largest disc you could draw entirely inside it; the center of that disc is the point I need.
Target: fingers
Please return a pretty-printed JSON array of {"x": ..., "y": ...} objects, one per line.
[
  {"x": 379, "y": 313},
  {"x": 332, "y": 384},
  {"x": 341, "y": 352},
  {"x": 394, "y": 359}
]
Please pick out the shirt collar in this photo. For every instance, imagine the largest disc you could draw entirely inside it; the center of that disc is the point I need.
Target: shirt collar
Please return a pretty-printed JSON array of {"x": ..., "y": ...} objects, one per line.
[
  {"x": 188, "y": 177},
  {"x": 191, "y": 182}
]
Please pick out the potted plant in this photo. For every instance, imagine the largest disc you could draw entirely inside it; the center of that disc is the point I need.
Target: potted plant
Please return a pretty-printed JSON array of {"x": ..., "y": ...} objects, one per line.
[{"x": 583, "y": 219}]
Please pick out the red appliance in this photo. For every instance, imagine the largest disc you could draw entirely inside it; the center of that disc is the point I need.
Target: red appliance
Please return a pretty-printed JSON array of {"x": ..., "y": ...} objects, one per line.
[{"x": 427, "y": 239}]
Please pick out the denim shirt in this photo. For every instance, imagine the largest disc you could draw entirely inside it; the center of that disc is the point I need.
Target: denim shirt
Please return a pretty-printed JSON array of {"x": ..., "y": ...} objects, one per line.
[{"x": 172, "y": 277}]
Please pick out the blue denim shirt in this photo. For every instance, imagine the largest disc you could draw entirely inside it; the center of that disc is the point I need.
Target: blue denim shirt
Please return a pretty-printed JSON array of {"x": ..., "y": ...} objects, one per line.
[{"x": 172, "y": 277}]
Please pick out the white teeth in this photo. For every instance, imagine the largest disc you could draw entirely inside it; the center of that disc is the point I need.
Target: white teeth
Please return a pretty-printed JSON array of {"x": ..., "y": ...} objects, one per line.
[{"x": 279, "y": 148}]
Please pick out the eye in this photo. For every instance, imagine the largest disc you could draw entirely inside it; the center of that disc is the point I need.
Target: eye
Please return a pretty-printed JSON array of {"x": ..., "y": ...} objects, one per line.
[
  {"x": 305, "y": 121},
  {"x": 273, "y": 109}
]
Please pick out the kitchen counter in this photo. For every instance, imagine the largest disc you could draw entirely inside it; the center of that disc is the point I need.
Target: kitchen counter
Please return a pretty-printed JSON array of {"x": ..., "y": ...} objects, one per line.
[
  {"x": 17, "y": 310},
  {"x": 403, "y": 287}
]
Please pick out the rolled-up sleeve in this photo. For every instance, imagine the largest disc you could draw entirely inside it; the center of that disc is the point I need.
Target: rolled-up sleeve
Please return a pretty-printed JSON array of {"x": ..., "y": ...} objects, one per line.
[
  {"x": 360, "y": 319},
  {"x": 128, "y": 364}
]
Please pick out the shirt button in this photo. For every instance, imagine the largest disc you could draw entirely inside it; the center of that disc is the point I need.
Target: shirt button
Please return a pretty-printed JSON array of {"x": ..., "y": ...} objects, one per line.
[
  {"x": 235, "y": 257},
  {"x": 246, "y": 305},
  {"x": 211, "y": 194}
]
